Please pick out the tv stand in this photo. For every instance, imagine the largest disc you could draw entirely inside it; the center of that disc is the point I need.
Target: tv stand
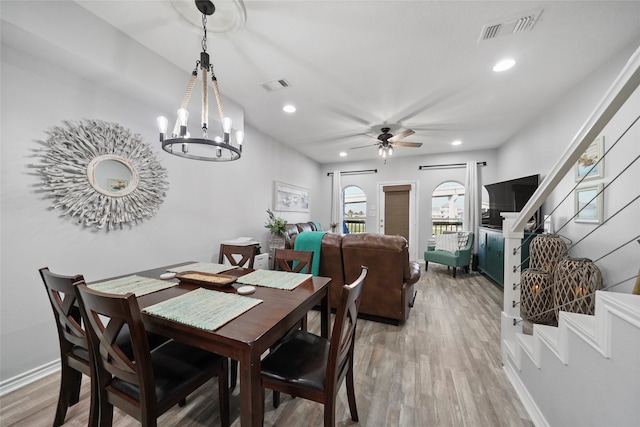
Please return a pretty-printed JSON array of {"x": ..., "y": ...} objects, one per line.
[{"x": 491, "y": 253}]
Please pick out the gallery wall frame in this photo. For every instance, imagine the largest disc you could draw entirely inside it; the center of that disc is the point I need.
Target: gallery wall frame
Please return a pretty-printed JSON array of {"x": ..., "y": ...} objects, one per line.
[
  {"x": 589, "y": 204},
  {"x": 291, "y": 198},
  {"x": 590, "y": 165}
]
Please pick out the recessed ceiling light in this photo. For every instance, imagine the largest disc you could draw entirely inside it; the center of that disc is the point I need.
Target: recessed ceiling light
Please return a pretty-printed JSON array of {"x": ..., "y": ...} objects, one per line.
[
  {"x": 343, "y": 154},
  {"x": 456, "y": 142},
  {"x": 504, "y": 65},
  {"x": 289, "y": 108}
]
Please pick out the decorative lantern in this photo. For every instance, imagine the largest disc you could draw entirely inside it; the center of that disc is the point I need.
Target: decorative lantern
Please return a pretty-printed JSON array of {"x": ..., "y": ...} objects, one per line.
[
  {"x": 546, "y": 250},
  {"x": 536, "y": 296},
  {"x": 576, "y": 281}
]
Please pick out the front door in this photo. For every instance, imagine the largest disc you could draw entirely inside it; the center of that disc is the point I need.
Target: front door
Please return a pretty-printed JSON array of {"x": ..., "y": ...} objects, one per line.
[{"x": 397, "y": 212}]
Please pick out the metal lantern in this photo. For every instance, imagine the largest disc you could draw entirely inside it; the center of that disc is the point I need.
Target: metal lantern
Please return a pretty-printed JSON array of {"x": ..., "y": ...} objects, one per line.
[
  {"x": 576, "y": 281},
  {"x": 536, "y": 296}
]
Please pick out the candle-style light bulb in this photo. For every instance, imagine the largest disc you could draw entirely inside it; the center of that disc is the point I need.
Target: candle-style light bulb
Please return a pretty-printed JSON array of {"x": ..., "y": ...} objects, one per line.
[
  {"x": 380, "y": 151},
  {"x": 226, "y": 125},
  {"x": 390, "y": 150},
  {"x": 240, "y": 139},
  {"x": 183, "y": 118},
  {"x": 218, "y": 150},
  {"x": 162, "y": 126}
]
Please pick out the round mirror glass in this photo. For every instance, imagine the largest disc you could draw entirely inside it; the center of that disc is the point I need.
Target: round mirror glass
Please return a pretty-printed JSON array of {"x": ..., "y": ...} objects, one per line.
[{"x": 112, "y": 175}]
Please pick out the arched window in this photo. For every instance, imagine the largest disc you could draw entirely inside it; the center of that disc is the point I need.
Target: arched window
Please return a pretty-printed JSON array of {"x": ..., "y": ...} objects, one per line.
[
  {"x": 354, "y": 209},
  {"x": 447, "y": 207}
]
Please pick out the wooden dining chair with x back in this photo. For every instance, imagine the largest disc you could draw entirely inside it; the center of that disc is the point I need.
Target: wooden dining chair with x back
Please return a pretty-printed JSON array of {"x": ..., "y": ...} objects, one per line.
[
  {"x": 293, "y": 260},
  {"x": 296, "y": 262},
  {"x": 74, "y": 348},
  {"x": 150, "y": 382},
  {"x": 242, "y": 256},
  {"x": 312, "y": 367}
]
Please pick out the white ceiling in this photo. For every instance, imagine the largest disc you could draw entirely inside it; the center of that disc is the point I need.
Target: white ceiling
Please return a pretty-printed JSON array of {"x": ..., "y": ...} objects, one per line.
[{"x": 355, "y": 65}]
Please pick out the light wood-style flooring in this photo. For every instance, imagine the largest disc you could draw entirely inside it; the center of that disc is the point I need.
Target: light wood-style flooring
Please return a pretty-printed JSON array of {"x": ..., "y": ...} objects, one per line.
[{"x": 441, "y": 368}]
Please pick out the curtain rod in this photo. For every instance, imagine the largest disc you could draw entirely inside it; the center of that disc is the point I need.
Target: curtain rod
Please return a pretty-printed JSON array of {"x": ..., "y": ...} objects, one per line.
[
  {"x": 449, "y": 165},
  {"x": 360, "y": 172}
]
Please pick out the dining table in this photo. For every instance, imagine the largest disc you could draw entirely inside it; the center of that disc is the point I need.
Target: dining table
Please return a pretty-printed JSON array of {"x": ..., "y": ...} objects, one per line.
[{"x": 246, "y": 337}]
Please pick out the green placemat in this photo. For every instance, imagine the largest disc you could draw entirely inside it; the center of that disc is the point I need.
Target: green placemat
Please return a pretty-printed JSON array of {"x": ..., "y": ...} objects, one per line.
[
  {"x": 274, "y": 279},
  {"x": 203, "y": 308},
  {"x": 203, "y": 267},
  {"x": 137, "y": 285}
]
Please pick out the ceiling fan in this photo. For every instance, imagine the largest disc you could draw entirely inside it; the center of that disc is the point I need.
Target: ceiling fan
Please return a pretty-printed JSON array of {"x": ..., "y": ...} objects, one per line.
[{"x": 387, "y": 141}]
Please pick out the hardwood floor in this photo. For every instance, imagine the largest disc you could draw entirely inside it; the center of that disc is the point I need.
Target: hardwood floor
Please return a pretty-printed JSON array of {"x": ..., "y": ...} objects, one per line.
[{"x": 441, "y": 368}]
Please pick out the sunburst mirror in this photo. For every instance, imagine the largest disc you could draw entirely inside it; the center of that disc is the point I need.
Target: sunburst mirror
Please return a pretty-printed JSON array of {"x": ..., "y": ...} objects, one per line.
[{"x": 102, "y": 173}]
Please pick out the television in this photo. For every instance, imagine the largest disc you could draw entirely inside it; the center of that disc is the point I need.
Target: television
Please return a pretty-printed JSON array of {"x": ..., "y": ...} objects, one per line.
[{"x": 509, "y": 196}]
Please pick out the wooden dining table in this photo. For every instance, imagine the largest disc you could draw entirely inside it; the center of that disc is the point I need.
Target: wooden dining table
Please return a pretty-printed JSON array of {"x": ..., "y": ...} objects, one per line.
[{"x": 246, "y": 337}]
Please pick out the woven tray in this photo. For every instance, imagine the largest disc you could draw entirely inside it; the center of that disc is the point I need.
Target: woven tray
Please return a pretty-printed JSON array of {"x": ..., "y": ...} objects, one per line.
[{"x": 206, "y": 279}]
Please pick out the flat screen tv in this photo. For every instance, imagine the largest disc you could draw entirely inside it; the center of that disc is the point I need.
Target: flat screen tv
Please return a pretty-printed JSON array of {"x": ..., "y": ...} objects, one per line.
[{"x": 509, "y": 196}]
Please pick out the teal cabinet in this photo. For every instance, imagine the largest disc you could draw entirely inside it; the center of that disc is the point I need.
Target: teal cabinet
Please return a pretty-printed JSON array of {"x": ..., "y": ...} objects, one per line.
[{"x": 491, "y": 253}]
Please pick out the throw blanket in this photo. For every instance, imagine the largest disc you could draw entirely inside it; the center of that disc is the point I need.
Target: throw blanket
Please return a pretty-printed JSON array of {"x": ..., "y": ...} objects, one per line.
[
  {"x": 311, "y": 241},
  {"x": 317, "y": 225}
]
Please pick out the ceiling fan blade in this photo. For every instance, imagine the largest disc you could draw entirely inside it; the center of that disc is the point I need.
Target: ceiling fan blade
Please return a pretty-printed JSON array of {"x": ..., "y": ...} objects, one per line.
[
  {"x": 369, "y": 136},
  {"x": 407, "y": 144},
  {"x": 364, "y": 146},
  {"x": 405, "y": 133}
]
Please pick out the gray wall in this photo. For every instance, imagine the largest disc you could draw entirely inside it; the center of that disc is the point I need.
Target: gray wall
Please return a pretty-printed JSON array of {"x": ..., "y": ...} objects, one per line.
[{"x": 206, "y": 202}]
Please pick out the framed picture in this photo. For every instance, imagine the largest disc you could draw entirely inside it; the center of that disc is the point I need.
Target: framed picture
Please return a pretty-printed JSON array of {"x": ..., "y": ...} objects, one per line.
[
  {"x": 287, "y": 197},
  {"x": 589, "y": 204},
  {"x": 587, "y": 166}
]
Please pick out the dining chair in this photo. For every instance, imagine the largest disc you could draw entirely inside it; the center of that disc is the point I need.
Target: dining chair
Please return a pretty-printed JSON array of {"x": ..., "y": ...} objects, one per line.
[
  {"x": 313, "y": 367},
  {"x": 150, "y": 382},
  {"x": 242, "y": 256},
  {"x": 245, "y": 257},
  {"x": 293, "y": 260},
  {"x": 74, "y": 348}
]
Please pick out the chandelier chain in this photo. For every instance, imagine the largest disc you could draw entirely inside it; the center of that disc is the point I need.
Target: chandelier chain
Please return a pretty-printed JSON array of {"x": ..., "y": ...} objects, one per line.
[{"x": 204, "y": 37}]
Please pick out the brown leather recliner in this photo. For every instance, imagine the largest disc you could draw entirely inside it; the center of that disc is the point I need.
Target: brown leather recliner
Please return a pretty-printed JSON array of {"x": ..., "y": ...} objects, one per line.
[
  {"x": 331, "y": 265},
  {"x": 389, "y": 287},
  {"x": 293, "y": 229}
]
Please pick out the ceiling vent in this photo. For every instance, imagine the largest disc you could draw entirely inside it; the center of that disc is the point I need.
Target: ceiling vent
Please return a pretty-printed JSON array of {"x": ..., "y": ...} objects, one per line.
[
  {"x": 273, "y": 85},
  {"x": 509, "y": 26}
]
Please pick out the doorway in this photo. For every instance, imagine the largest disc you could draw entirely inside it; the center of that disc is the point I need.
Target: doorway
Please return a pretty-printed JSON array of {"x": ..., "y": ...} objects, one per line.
[{"x": 397, "y": 212}]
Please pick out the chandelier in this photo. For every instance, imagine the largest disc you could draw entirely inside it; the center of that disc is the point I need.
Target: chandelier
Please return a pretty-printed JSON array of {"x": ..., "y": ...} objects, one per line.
[{"x": 181, "y": 143}]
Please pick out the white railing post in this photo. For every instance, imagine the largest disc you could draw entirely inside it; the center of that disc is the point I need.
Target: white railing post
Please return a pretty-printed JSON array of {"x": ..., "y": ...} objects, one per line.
[{"x": 511, "y": 320}]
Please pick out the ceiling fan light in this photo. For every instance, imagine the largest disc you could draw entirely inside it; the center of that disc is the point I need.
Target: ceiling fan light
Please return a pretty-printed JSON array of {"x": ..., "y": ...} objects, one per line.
[
  {"x": 390, "y": 150},
  {"x": 380, "y": 151}
]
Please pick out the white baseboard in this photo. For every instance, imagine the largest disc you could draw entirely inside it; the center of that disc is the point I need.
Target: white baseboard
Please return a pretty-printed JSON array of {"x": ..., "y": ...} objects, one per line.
[
  {"x": 28, "y": 377},
  {"x": 537, "y": 417}
]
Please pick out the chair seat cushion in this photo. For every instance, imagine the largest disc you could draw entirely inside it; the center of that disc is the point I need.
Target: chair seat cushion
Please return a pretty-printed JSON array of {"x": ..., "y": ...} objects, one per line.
[
  {"x": 301, "y": 359},
  {"x": 174, "y": 364}
]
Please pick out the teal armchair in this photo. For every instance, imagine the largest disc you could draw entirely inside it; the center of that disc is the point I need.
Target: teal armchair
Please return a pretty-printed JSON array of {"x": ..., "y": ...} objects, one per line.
[{"x": 461, "y": 258}]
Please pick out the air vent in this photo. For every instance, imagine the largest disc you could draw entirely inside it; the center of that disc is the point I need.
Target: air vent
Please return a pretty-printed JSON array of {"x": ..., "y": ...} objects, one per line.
[
  {"x": 509, "y": 26},
  {"x": 273, "y": 85}
]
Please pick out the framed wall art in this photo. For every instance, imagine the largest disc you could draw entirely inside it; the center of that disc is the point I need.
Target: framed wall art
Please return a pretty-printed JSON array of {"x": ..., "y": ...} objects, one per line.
[
  {"x": 591, "y": 164},
  {"x": 287, "y": 197},
  {"x": 589, "y": 204}
]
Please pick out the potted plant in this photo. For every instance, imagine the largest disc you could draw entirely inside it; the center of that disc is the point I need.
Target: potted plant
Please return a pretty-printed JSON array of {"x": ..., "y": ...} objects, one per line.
[
  {"x": 276, "y": 225},
  {"x": 278, "y": 228},
  {"x": 334, "y": 227}
]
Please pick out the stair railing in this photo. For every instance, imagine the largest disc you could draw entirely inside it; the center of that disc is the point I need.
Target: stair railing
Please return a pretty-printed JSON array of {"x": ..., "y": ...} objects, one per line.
[{"x": 514, "y": 223}]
